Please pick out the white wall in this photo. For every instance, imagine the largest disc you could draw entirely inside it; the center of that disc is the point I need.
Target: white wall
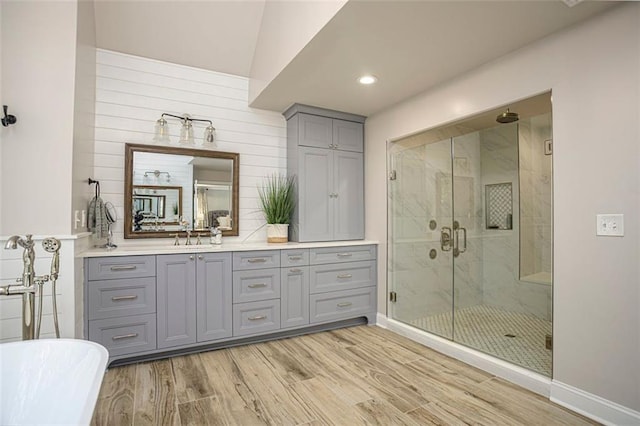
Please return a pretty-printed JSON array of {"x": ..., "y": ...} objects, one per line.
[
  {"x": 287, "y": 27},
  {"x": 84, "y": 111},
  {"x": 594, "y": 72},
  {"x": 132, "y": 92},
  {"x": 38, "y": 75}
]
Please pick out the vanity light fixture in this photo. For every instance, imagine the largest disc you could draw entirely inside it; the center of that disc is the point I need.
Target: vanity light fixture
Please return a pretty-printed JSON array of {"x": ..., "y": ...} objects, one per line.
[
  {"x": 186, "y": 131},
  {"x": 157, "y": 174},
  {"x": 367, "y": 79}
]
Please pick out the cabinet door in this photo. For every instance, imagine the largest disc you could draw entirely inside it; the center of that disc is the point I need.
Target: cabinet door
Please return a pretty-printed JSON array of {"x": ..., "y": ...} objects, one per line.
[
  {"x": 315, "y": 189},
  {"x": 176, "y": 304},
  {"x": 214, "y": 290},
  {"x": 315, "y": 131},
  {"x": 348, "y": 135},
  {"x": 294, "y": 297},
  {"x": 348, "y": 181}
]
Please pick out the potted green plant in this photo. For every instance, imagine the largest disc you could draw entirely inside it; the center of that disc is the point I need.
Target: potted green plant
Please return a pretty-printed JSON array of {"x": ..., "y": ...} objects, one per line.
[
  {"x": 175, "y": 211},
  {"x": 277, "y": 201}
]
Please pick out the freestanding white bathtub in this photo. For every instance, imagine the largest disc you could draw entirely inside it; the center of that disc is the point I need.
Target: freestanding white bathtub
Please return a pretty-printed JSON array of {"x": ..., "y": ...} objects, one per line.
[{"x": 50, "y": 381}]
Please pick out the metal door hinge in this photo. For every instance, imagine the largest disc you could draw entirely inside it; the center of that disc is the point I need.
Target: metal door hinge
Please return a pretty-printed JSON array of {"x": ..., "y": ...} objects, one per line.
[
  {"x": 393, "y": 296},
  {"x": 392, "y": 175}
]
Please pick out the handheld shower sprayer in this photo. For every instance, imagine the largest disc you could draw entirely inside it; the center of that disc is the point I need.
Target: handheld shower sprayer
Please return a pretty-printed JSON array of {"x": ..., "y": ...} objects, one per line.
[{"x": 52, "y": 245}]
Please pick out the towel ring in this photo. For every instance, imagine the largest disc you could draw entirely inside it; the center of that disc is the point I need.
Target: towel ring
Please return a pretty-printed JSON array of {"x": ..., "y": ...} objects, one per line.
[{"x": 91, "y": 182}]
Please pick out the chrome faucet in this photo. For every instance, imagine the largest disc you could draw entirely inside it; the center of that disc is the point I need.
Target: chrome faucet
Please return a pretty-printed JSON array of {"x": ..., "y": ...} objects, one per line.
[
  {"x": 27, "y": 284},
  {"x": 188, "y": 242}
]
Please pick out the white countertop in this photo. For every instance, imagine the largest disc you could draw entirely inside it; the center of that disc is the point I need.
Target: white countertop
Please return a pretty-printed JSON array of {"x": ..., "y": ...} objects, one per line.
[{"x": 169, "y": 248}]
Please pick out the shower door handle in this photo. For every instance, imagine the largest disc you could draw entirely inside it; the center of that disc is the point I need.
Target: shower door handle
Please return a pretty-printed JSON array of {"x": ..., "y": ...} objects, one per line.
[
  {"x": 445, "y": 238},
  {"x": 464, "y": 240}
]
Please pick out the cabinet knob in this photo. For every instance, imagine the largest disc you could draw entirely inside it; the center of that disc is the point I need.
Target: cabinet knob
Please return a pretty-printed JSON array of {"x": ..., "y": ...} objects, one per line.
[
  {"x": 191, "y": 257},
  {"x": 200, "y": 257}
]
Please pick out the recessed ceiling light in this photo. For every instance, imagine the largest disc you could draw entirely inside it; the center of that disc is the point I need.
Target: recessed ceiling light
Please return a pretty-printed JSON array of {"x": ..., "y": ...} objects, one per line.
[{"x": 367, "y": 79}]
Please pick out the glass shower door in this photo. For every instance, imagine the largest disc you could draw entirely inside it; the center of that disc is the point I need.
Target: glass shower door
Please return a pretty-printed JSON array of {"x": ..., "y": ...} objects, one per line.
[{"x": 420, "y": 232}]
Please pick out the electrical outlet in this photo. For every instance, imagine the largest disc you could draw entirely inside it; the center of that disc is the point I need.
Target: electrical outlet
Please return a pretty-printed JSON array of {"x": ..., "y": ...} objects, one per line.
[
  {"x": 76, "y": 219},
  {"x": 83, "y": 222},
  {"x": 611, "y": 225}
]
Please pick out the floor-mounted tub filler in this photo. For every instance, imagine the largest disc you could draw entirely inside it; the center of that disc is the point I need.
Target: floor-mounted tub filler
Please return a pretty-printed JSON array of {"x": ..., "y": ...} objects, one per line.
[{"x": 50, "y": 381}]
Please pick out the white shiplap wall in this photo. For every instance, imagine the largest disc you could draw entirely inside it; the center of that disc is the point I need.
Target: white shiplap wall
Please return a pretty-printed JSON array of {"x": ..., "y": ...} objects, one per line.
[{"x": 131, "y": 94}]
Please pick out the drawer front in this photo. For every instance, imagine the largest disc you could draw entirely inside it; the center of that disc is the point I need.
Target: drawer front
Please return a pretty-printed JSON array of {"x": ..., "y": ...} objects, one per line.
[
  {"x": 320, "y": 256},
  {"x": 256, "y": 317},
  {"x": 128, "y": 335},
  {"x": 342, "y": 276},
  {"x": 342, "y": 304},
  {"x": 254, "y": 285},
  {"x": 294, "y": 258},
  {"x": 117, "y": 298},
  {"x": 111, "y": 268},
  {"x": 256, "y": 259}
]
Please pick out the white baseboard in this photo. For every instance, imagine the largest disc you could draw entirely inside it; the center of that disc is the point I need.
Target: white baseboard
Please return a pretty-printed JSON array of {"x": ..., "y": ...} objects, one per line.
[{"x": 592, "y": 406}]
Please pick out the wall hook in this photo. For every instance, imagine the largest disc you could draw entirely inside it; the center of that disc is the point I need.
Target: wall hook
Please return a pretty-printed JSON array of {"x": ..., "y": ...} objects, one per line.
[{"x": 8, "y": 119}]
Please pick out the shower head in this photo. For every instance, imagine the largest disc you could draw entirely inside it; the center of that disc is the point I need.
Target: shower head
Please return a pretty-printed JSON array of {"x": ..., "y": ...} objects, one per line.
[{"x": 507, "y": 117}]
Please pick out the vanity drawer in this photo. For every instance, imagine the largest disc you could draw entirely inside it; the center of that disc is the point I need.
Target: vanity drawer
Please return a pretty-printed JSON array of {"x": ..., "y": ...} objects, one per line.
[
  {"x": 342, "y": 304},
  {"x": 294, "y": 257},
  {"x": 256, "y": 317},
  {"x": 342, "y": 276},
  {"x": 257, "y": 284},
  {"x": 256, "y": 259},
  {"x": 111, "y": 268},
  {"x": 116, "y": 298},
  {"x": 122, "y": 336},
  {"x": 324, "y": 255}
]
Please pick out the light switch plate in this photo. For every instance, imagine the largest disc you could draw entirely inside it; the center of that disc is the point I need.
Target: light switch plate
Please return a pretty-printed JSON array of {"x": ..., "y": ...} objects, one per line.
[{"x": 611, "y": 225}]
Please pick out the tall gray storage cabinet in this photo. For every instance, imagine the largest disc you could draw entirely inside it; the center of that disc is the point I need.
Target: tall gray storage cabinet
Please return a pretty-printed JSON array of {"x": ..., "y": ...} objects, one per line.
[{"x": 325, "y": 152}]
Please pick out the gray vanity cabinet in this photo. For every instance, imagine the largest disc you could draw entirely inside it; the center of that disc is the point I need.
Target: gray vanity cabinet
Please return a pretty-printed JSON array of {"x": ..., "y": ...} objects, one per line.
[
  {"x": 176, "y": 299},
  {"x": 214, "y": 296},
  {"x": 324, "y": 150},
  {"x": 194, "y": 298},
  {"x": 294, "y": 297}
]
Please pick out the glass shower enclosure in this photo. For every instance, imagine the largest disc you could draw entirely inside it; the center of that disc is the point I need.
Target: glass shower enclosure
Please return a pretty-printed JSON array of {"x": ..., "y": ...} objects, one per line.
[{"x": 470, "y": 236}]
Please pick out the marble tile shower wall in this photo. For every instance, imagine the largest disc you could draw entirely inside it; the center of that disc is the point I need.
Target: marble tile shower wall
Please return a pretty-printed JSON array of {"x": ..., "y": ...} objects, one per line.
[
  {"x": 132, "y": 92},
  {"x": 536, "y": 190},
  {"x": 502, "y": 286}
]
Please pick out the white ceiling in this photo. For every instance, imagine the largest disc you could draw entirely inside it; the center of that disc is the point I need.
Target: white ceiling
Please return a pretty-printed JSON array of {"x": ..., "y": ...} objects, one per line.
[
  {"x": 214, "y": 35},
  {"x": 410, "y": 46}
]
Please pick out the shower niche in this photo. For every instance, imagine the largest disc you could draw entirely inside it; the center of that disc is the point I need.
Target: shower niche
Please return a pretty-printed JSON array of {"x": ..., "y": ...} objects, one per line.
[{"x": 499, "y": 206}]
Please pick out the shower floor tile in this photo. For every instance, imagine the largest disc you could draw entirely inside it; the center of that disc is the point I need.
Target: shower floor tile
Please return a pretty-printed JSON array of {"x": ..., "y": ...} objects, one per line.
[{"x": 487, "y": 329}]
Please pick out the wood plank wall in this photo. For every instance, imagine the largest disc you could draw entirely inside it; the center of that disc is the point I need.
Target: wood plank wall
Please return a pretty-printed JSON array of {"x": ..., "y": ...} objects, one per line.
[{"x": 131, "y": 94}]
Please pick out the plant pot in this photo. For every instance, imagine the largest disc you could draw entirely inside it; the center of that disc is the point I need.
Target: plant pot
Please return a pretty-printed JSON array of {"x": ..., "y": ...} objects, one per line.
[{"x": 277, "y": 232}]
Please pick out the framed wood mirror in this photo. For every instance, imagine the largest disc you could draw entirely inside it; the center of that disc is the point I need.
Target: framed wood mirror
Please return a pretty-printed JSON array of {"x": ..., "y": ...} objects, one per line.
[{"x": 172, "y": 189}]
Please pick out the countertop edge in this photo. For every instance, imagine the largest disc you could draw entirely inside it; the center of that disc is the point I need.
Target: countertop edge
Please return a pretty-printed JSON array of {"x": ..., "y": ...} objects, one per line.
[{"x": 133, "y": 250}]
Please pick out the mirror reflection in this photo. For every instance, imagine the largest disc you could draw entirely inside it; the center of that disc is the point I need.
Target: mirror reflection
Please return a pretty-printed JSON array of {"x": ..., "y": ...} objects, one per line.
[{"x": 168, "y": 190}]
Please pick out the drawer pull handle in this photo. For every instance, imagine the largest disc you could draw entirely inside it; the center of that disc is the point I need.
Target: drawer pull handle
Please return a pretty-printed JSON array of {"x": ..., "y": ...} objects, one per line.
[
  {"x": 125, "y": 336},
  {"x": 118, "y": 298},
  {"x": 295, "y": 257},
  {"x": 345, "y": 276},
  {"x": 345, "y": 254},
  {"x": 344, "y": 304},
  {"x": 257, "y": 285},
  {"x": 258, "y": 260},
  {"x": 123, "y": 268},
  {"x": 257, "y": 318},
  {"x": 295, "y": 271}
]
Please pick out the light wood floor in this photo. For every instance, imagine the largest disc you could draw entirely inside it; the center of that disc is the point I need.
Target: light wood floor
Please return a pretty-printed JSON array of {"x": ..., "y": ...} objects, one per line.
[{"x": 359, "y": 375}]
